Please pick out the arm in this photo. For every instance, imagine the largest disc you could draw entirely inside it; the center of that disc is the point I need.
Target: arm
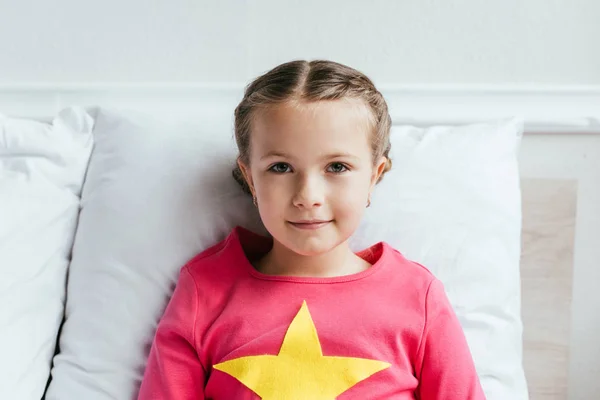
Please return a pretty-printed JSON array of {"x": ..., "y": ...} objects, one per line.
[
  {"x": 444, "y": 365},
  {"x": 173, "y": 370}
]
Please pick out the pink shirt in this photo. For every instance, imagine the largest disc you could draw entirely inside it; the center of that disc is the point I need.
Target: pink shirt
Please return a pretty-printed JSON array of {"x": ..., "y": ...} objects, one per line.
[{"x": 231, "y": 332}]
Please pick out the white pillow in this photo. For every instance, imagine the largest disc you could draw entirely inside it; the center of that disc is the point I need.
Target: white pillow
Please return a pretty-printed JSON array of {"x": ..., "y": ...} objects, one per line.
[
  {"x": 42, "y": 167},
  {"x": 452, "y": 202},
  {"x": 158, "y": 193}
]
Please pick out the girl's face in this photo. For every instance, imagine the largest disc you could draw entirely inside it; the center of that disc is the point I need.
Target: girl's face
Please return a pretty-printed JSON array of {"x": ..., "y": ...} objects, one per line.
[{"x": 312, "y": 172}]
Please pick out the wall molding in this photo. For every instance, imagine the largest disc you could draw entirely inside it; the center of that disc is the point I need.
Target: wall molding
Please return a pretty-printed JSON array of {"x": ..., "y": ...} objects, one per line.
[{"x": 572, "y": 109}]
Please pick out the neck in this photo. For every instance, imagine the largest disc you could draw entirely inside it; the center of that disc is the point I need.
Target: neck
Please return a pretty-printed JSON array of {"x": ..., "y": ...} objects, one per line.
[{"x": 337, "y": 262}]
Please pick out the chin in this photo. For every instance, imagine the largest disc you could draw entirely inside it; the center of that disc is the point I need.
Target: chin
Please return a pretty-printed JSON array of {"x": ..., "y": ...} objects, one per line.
[
  {"x": 309, "y": 242},
  {"x": 313, "y": 246}
]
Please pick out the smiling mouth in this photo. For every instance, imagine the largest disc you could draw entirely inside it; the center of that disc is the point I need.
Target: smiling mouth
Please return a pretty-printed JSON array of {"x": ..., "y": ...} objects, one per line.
[{"x": 308, "y": 225}]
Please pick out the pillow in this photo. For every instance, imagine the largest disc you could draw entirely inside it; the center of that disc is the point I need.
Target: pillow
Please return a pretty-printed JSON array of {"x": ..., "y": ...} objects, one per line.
[
  {"x": 452, "y": 202},
  {"x": 42, "y": 167},
  {"x": 157, "y": 193}
]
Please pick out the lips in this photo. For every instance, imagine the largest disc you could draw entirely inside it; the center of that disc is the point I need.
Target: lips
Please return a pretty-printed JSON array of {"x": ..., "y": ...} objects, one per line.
[{"x": 309, "y": 224}]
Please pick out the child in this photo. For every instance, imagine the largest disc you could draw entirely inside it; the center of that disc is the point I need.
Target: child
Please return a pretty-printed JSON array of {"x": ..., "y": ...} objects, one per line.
[{"x": 299, "y": 315}]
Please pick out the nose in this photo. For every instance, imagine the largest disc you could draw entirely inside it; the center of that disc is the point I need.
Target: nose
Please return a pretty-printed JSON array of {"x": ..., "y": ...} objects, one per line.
[{"x": 309, "y": 191}]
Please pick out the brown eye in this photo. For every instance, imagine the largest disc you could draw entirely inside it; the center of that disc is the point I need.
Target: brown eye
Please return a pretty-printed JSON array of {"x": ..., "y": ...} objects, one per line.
[
  {"x": 280, "y": 168},
  {"x": 337, "y": 168}
]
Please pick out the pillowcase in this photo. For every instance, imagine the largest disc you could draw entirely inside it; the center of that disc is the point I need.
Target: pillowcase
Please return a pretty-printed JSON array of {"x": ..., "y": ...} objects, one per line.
[
  {"x": 452, "y": 202},
  {"x": 157, "y": 193},
  {"x": 42, "y": 167}
]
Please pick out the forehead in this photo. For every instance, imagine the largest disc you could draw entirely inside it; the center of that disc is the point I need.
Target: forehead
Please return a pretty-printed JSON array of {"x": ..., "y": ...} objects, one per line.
[{"x": 315, "y": 127}]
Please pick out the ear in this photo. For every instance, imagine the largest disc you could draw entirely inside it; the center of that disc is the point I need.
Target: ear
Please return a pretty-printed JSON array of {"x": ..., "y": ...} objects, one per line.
[
  {"x": 378, "y": 170},
  {"x": 247, "y": 175}
]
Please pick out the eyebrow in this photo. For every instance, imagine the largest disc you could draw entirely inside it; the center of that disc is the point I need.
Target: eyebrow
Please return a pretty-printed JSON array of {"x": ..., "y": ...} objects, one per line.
[
  {"x": 340, "y": 155},
  {"x": 275, "y": 154},
  {"x": 326, "y": 157}
]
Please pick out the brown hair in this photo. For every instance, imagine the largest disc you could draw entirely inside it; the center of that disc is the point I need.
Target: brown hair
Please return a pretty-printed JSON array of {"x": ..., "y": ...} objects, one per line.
[{"x": 311, "y": 81}]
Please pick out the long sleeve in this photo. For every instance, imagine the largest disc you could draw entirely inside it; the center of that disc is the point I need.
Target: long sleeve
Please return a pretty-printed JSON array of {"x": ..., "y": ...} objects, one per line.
[
  {"x": 444, "y": 364},
  {"x": 173, "y": 370}
]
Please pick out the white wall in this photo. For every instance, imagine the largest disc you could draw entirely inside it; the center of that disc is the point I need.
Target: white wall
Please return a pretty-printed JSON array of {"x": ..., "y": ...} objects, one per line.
[{"x": 424, "y": 41}]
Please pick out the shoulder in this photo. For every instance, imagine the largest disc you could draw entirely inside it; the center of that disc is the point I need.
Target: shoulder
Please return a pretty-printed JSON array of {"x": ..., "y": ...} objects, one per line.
[
  {"x": 226, "y": 259},
  {"x": 406, "y": 268},
  {"x": 406, "y": 281},
  {"x": 210, "y": 256}
]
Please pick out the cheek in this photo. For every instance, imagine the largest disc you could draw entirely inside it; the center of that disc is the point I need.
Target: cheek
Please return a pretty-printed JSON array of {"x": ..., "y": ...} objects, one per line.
[
  {"x": 271, "y": 189},
  {"x": 351, "y": 193}
]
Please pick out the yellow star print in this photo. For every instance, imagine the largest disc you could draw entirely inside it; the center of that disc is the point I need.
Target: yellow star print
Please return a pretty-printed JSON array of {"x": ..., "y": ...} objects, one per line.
[{"x": 300, "y": 370}]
